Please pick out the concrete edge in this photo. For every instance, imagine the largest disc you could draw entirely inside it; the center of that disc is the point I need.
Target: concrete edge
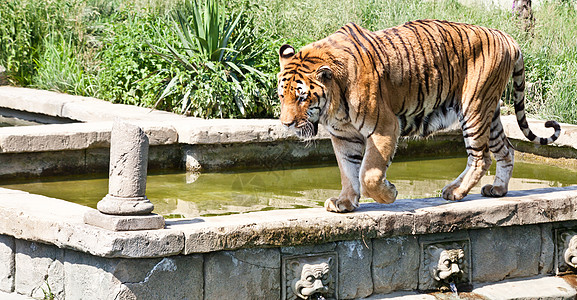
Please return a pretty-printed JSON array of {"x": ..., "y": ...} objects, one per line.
[
  {"x": 84, "y": 109},
  {"x": 540, "y": 287},
  {"x": 26, "y": 218},
  {"x": 163, "y": 128}
]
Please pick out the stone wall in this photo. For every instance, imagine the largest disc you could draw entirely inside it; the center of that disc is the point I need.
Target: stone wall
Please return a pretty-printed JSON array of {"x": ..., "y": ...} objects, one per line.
[{"x": 365, "y": 266}]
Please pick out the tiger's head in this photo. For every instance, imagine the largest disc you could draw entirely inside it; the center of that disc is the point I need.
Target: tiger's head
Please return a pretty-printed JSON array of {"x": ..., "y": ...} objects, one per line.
[{"x": 302, "y": 89}]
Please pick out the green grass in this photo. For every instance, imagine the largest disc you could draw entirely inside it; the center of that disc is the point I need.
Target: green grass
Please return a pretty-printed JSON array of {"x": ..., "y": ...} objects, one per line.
[{"x": 99, "y": 47}]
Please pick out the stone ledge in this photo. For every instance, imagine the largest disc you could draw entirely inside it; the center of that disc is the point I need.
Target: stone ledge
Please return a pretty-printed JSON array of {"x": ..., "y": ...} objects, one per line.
[
  {"x": 53, "y": 221},
  {"x": 162, "y": 127},
  {"x": 542, "y": 287},
  {"x": 60, "y": 223},
  {"x": 76, "y": 136},
  {"x": 84, "y": 109},
  {"x": 568, "y": 136}
]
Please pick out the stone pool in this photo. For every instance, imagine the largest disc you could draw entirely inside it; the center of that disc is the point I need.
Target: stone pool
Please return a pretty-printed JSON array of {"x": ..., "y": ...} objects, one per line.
[{"x": 506, "y": 248}]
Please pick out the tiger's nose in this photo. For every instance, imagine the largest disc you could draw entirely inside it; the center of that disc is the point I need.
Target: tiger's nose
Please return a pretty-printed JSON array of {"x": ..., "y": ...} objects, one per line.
[{"x": 288, "y": 123}]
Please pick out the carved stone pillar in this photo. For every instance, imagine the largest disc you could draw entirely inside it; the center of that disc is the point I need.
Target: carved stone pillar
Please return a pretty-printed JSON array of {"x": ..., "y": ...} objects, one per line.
[
  {"x": 127, "y": 174},
  {"x": 126, "y": 207}
]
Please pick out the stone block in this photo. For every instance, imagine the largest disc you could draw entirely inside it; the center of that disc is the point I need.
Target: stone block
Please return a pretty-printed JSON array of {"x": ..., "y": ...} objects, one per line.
[
  {"x": 92, "y": 277},
  {"x": 7, "y": 247},
  {"x": 547, "y": 258},
  {"x": 37, "y": 101},
  {"x": 160, "y": 283},
  {"x": 175, "y": 277},
  {"x": 39, "y": 268},
  {"x": 505, "y": 252},
  {"x": 395, "y": 264},
  {"x": 243, "y": 274},
  {"x": 123, "y": 223},
  {"x": 355, "y": 278}
]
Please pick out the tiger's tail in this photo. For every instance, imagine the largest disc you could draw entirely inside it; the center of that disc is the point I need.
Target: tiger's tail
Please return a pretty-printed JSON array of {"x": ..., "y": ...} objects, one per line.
[{"x": 519, "y": 100}]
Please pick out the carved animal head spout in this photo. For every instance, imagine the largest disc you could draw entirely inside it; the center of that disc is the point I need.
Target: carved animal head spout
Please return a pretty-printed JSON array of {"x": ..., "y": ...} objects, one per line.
[
  {"x": 449, "y": 267},
  {"x": 313, "y": 282},
  {"x": 570, "y": 253}
]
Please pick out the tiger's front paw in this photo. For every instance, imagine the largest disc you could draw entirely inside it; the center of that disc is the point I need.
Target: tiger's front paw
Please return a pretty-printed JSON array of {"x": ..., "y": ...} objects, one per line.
[
  {"x": 454, "y": 193},
  {"x": 340, "y": 205}
]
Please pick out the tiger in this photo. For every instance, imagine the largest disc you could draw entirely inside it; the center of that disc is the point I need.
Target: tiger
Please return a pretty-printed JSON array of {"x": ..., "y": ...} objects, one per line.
[{"x": 369, "y": 88}]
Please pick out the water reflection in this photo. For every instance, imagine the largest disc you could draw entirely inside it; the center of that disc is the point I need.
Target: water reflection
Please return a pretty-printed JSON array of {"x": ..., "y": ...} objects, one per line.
[{"x": 189, "y": 195}]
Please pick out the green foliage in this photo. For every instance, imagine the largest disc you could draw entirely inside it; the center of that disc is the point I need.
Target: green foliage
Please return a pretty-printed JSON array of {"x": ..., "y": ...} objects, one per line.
[
  {"x": 59, "y": 69},
  {"x": 125, "y": 59},
  {"x": 212, "y": 72},
  {"x": 48, "y": 295},
  {"x": 24, "y": 24},
  {"x": 213, "y": 60}
]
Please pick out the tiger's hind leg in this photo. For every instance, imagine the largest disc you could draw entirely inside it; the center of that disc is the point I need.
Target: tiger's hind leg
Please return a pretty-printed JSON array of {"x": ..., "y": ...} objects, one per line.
[
  {"x": 504, "y": 155},
  {"x": 479, "y": 159}
]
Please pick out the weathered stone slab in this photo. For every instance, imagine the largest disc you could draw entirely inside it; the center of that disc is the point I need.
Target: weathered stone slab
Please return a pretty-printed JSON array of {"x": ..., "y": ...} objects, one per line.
[
  {"x": 246, "y": 274},
  {"x": 547, "y": 255},
  {"x": 80, "y": 108},
  {"x": 230, "y": 131},
  {"x": 502, "y": 252},
  {"x": 355, "y": 259},
  {"x": 269, "y": 155},
  {"x": 7, "y": 248},
  {"x": 308, "y": 249},
  {"x": 76, "y": 136},
  {"x": 160, "y": 283},
  {"x": 176, "y": 277},
  {"x": 37, "y": 101},
  {"x": 39, "y": 268},
  {"x": 54, "y": 137},
  {"x": 395, "y": 264},
  {"x": 92, "y": 277}
]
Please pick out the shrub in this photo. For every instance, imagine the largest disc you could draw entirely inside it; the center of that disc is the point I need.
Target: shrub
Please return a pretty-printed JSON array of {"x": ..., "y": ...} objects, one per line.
[
  {"x": 125, "y": 60},
  {"x": 24, "y": 24},
  {"x": 212, "y": 70},
  {"x": 59, "y": 69}
]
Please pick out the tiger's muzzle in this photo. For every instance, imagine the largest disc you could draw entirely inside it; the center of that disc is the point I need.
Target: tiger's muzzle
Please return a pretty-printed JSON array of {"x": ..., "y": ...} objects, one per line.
[{"x": 304, "y": 129}]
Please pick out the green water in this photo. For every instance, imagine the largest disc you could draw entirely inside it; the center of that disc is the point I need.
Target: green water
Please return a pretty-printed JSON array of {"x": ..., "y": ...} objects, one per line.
[{"x": 182, "y": 195}]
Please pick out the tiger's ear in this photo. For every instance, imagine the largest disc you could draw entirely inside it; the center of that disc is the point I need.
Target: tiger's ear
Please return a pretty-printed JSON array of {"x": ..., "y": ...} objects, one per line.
[
  {"x": 324, "y": 73},
  {"x": 285, "y": 53}
]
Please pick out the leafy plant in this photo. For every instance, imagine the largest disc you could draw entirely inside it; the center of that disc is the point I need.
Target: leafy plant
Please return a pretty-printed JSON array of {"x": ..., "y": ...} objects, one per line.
[
  {"x": 24, "y": 25},
  {"x": 125, "y": 62},
  {"x": 59, "y": 69},
  {"x": 215, "y": 46}
]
